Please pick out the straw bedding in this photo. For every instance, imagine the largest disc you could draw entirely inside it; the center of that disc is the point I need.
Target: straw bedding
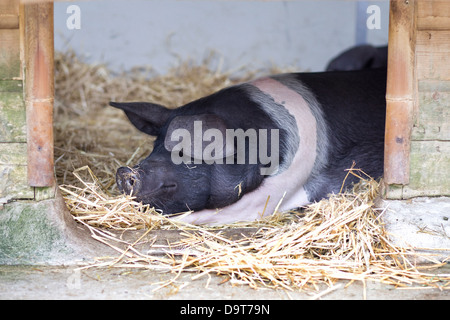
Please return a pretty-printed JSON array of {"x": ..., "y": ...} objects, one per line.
[{"x": 342, "y": 238}]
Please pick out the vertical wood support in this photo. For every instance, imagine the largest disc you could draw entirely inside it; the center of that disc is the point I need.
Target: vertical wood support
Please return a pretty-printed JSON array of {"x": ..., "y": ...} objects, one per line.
[
  {"x": 400, "y": 91},
  {"x": 39, "y": 92}
]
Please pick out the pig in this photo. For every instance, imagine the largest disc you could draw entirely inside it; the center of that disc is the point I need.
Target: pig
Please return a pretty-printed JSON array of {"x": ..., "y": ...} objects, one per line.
[
  {"x": 360, "y": 57},
  {"x": 271, "y": 144}
]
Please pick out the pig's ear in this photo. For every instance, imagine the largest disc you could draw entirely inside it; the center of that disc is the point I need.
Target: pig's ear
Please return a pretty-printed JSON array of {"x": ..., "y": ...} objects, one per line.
[
  {"x": 147, "y": 117},
  {"x": 193, "y": 133}
]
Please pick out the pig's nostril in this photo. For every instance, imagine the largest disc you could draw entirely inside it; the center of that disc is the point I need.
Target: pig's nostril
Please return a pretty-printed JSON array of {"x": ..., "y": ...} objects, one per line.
[
  {"x": 127, "y": 180},
  {"x": 130, "y": 182}
]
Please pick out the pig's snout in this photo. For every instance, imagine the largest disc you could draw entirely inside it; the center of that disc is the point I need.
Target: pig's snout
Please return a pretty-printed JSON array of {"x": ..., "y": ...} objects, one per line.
[{"x": 128, "y": 180}]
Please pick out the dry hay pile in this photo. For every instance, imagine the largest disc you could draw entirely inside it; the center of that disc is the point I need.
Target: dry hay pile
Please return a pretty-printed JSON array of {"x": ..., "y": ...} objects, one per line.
[{"x": 342, "y": 238}]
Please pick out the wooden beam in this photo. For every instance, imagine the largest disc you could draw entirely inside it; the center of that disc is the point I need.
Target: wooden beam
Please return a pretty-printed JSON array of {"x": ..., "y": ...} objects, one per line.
[
  {"x": 400, "y": 91},
  {"x": 39, "y": 90}
]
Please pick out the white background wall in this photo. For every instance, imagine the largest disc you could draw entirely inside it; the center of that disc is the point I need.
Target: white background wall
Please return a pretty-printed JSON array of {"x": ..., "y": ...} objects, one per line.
[{"x": 255, "y": 34}]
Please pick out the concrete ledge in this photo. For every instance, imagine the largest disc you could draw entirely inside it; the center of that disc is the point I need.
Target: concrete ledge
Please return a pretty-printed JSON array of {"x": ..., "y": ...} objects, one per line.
[
  {"x": 43, "y": 232},
  {"x": 420, "y": 223}
]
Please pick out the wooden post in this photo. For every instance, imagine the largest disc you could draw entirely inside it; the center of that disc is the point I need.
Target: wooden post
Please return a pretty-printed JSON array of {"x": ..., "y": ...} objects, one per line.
[
  {"x": 39, "y": 52},
  {"x": 400, "y": 91}
]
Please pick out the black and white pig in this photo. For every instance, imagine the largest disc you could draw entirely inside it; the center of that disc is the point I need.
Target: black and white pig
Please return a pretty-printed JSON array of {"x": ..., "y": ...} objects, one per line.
[{"x": 277, "y": 142}]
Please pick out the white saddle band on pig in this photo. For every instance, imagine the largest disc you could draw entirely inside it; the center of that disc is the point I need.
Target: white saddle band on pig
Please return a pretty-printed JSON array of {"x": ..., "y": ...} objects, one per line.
[{"x": 294, "y": 109}]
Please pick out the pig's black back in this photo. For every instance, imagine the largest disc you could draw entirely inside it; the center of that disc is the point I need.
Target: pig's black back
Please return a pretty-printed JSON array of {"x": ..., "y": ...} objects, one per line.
[{"x": 354, "y": 109}]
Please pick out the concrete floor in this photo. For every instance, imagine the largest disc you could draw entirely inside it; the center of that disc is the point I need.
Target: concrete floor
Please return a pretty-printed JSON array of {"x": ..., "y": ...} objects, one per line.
[
  {"x": 422, "y": 223},
  {"x": 36, "y": 282}
]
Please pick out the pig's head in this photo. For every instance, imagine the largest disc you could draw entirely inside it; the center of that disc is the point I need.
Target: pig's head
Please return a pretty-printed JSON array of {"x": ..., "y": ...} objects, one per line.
[{"x": 188, "y": 167}]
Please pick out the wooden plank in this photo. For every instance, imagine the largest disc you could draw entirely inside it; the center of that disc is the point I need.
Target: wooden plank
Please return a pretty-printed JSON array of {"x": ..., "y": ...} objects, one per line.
[
  {"x": 400, "y": 91},
  {"x": 397, "y": 146},
  {"x": 12, "y": 117},
  {"x": 40, "y": 144},
  {"x": 433, "y": 55},
  {"x": 433, "y": 41},
  {"x": 9, "y": 6},
  {"x": 434, "y": 86},
  {"x": 9, "y": 21},
  {"x": 13, "y": 183},
  {"x": 9, "y": 14},
  {"x": 13, "y": 157},
  {"x": 10, "y": 64},
  {"x": 433, "y": 66},
  {"x": 433, "y": 120},
  {"x": 22, "y": 39},
  {"x": 430, "y": 169},
  {"x": 401, "y": 50},
  {"x": 433, "y": 15},
  {"x": 39, "y": 93}
]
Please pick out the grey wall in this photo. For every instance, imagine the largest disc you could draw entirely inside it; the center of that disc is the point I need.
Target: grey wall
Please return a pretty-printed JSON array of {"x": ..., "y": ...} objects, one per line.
[{"x": 125, "y": 33}]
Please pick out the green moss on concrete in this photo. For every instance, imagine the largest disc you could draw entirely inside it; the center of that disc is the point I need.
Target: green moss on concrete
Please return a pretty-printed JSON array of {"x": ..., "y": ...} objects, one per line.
[
  {"x": 11, "y": 86},
  {"x": 12, "y": 117},
  {"x": 29, "y": 236},
  {"x": 10, "y": 64}
]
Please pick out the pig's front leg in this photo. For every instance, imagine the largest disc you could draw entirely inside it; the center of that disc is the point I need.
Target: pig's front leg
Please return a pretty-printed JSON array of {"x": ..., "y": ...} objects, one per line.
[
  {"x": 253, "y": 206},
  {"x": 242, "y": 210}
]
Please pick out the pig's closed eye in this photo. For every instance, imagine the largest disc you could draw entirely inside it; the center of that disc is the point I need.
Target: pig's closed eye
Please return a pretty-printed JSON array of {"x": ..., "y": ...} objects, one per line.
[{"x": 169, "y": 187}]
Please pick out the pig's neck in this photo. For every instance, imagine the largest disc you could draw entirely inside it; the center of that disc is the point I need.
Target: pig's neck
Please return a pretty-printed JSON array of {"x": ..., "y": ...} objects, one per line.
[{"x": 284, "y": 190}]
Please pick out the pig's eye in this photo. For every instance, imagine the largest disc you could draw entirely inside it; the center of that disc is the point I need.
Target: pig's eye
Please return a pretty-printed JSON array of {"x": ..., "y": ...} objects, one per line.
[{"x": 180, "y": 153}]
